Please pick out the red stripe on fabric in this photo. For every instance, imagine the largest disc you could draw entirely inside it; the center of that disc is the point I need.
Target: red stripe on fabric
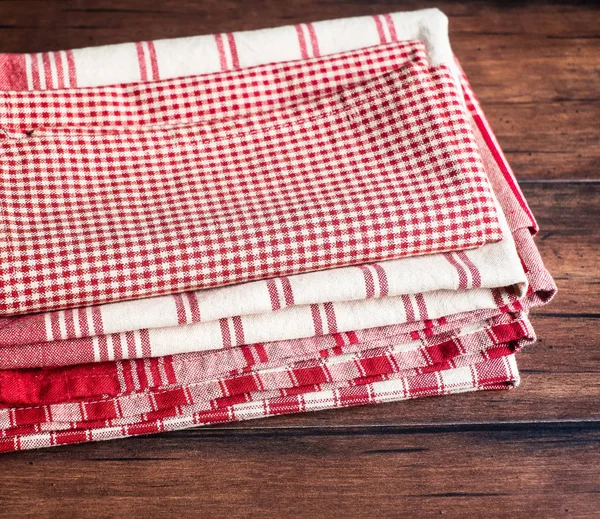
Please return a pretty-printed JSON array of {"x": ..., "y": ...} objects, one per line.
[
  {"x": 316, "y": 316},
  {"x": 47, "y": 69},
  {"x": 338, "y": 350},
  {"x": 301, "y": 41},
  {"x": 180, "y": 309},
  {"x": 504, "y": 168},
  {"x": 155, "y": 370},
  {"x": 35, "y": 74},
  {"x": 153, "y": 60},
  {"x": 422, "y": 306},
  {"x": 498, "y": 299},
  {"x": 379, "y": 25},
  {"x": 225, "y": 334},
  {"x": 194, "y": 307},
  {"x": 60, "y": 72},
  {"x": 238, "y": 328},
  {"x": 141, "y": 373},
  {"x": 313, "y": 39},
  {"x": 462, "y": 273},
  {"x": 408, "y": 308},
  {"x": 127, "y": 377},
  {"x": 117, "y": 345},
  {"x": 221, "y": 50},
  {"x": 130, "y": 338},
  {"x": 339, "y": 339},
  {"x": 55, "y": 324},
  {"x": 261, "y": 352},
  {"x": 72, "y": 69},
  {"x": 330, "y": 316},
  {"x": 146, "y": 348},
  {"x": 97, "y": 321},
  {"x": 103, "y": 347},
  {"x": 70, "y": 323},
  {"x": 353, "y": 337},
  {"x": 475, "y": 274},
  {"x": 233, "y": 49},
  {"x": 369, "y": 281},
  {"x": 83, "y": 323},
  {"x": 383, "y": 280},
  {"x": 248, "y": 356},
  {"x": 273, "y": 294},
  {"x": 391, "y": 27},
  {"x": 139, "y": 47},
  {"x": 288, "y": 293}
]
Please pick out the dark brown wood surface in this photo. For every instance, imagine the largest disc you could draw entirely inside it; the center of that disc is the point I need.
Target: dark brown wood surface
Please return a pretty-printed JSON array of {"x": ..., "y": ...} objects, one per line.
[{"x": 533, "y": 452}]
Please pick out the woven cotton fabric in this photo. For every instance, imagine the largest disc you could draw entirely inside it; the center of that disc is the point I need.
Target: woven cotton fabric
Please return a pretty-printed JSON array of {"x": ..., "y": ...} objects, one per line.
[
  {"x": 383, "y": 170},
  {"x": 227, "y": 374},
  {"x": 38, "y": 432},
  {"x": 451, "y": 332}
]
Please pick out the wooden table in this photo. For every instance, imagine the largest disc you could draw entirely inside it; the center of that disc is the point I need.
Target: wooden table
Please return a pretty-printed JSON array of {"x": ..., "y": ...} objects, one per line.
[{"x": 533, "y": 452}]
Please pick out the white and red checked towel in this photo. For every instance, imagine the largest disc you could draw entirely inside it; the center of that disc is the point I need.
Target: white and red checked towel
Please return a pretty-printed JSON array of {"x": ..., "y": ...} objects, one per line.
[
  {"x": 248, "y": 307},
  {"x": 382, "y": 169},
  {"x": 385, "y": 331}
]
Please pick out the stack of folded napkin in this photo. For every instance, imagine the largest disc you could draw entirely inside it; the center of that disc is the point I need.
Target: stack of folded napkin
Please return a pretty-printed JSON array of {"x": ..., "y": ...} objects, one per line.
[{"x": 226, "y": 227}]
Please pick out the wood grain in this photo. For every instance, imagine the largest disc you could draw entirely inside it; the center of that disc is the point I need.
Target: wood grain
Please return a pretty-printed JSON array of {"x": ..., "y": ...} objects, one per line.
[
  {"x": 532, "y": 452},
  {"x": 527, "y": 470}
]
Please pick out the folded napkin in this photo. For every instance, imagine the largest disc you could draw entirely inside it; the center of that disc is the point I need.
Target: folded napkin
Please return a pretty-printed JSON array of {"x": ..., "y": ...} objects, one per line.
[
  {"x": 376, "y": 332},
  {"x": 248, "y": 306},
  {"x": 384, "y": 169}
]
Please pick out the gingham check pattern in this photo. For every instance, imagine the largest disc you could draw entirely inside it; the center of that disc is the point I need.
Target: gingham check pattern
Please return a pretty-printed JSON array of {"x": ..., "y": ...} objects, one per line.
[
  {"x": 156, "y": 212},
  {"x": 197, "y": 99},
  {"x": 58, "y": 352},
  {"x": 266, "y": 86},
  {"x": 402, "y": 278}
]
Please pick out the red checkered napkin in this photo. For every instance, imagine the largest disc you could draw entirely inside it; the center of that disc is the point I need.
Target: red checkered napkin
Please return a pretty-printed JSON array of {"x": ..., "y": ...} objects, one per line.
[
  {"x": 367, "y": 174},
  {"x": 198, "y": 99}
]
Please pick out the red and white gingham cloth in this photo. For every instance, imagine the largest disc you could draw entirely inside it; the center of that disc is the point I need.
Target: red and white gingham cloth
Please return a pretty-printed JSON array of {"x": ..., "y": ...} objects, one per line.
[
  {"x": 384, "y": 169},
  {"x": 394, "y": 372},
  {"x": 492, "y": 266},
  {"x": 461, "y": 269}
]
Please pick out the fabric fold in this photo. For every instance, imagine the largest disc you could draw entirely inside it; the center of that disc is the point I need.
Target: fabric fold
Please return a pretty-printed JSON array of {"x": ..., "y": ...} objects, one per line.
[
  {"x": 343, "y": 149},
  {"x": 156, "y": 210}
]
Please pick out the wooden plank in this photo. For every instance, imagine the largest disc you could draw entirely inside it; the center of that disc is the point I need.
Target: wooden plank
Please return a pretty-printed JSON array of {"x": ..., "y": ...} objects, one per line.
[{"x": 533, "y": 470}]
